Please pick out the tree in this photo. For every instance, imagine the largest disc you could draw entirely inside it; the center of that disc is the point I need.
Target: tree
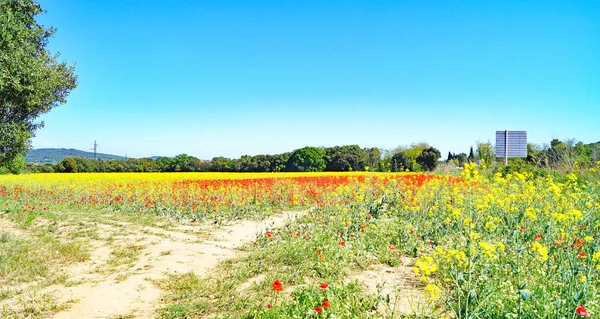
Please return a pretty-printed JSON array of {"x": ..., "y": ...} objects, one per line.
[
  {"x": 278, "y": 162},
  {"x": 32, "y": 82},
  {"x": 462, "y": 158},
  {"x": 486, "y": 152},
  {"x": 429, "y": 158},
  {"x": 345, "y": 158},
  {"x": 400, "y": 162},
  {"x": 413, "y": 152},
  {"x": 373, "y": 157},
  {"x": 222, "y": 164},
  {"x": 307, "y": 159},
  {"x": 471, "y": 157},
  {"x": 69, "y": 165}
]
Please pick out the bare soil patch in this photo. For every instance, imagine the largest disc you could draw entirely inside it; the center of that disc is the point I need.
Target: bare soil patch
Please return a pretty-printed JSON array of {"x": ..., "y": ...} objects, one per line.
[
  {"x": 127, "y": 290},
  {"x": 403, "y": 287}
]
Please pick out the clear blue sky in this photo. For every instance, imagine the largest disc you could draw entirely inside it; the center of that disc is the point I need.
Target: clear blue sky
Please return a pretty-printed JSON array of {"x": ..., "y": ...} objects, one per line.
[{"x": 211, "y": 78}]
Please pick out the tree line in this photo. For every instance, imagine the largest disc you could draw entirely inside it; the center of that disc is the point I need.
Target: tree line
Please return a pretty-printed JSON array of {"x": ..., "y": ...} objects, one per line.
[
  {"x": 418, "y": 157},
  {"x": 562, "y": 155}
]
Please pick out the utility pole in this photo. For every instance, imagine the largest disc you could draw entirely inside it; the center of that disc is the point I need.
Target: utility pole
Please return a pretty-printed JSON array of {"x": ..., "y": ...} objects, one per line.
[{"x": 95, "y": 149}]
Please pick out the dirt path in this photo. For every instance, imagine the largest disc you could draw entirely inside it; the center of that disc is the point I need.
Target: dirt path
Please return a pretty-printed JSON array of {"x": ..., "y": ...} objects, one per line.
[{"x": 127, "y": 291}]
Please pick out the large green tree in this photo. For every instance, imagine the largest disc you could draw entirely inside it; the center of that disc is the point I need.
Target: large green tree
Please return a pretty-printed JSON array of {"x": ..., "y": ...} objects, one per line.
[
  {"x": 32, "y": 81},
  {"x": 307, "y": 159},
  {"x": 429, "y": 158}
]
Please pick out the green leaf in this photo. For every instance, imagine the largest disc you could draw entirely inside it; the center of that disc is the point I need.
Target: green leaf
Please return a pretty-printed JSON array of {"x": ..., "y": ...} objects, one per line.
[{"x": 525, "y": 294}]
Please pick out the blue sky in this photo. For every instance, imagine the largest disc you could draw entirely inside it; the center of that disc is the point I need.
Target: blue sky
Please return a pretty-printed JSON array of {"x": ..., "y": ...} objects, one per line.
[{"x": 211, "y": 78}]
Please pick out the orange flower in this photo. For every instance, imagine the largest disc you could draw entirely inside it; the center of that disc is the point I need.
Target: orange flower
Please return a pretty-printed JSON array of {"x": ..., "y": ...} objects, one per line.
[
  {"x": 277, "y": 286},
  {"x": 326, "y": 304},
  {"x": 391, "y": 247},
  {"x": 582, "y": 255}
]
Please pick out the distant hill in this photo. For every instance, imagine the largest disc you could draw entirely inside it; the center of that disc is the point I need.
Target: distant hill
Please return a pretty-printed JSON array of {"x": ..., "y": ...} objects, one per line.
[{"x": 55, "y": 155}]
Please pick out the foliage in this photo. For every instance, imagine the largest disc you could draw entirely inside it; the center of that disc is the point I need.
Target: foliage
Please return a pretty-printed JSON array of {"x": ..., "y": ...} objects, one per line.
[
  {"x": 429, "y": 158},
  {"x": 412, "y": 152},
  {"x": 32, "y": 81},
  {"x": 471, "y": 157},
  {"x": 307, "y": 159},
  {"x": 400, "y": 162},
  {"x": 564, "y": 156},
  {"x": 486, "y": 152},
  {"x": 348, "y": 158},
  {"x": 462, "y": 158},
  {"x": 69, "y": 165}
]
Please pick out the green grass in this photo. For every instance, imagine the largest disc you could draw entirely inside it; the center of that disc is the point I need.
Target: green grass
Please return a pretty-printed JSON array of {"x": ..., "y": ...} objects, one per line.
[
  {"x": 125, "y": 255},
  {"x": 292, "y": 260}
]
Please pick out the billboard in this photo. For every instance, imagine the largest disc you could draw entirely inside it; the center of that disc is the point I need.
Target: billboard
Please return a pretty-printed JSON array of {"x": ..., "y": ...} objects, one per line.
[{"x": 511, "y": 144}]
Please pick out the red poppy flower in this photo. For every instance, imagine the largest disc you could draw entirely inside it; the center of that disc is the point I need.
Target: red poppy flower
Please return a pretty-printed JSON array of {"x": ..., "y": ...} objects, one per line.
[
  {"x": 581, "y": 311},
  {"x": 538, "y": 236},
  {"x": 324, "y": 286},
  {"x": 523, "y": 228},
  {"x": 581, "y": 255},
  {"x": 319, "y": 309},
  {"x": 342, "y": 243},
  {"x": 319, "y": 251},
  {"x": 269, "y": 306},
  {"x": 269, "y": 234},
  {"x": 277, "y": 286},
  {"x": 392, "y": 247},
  {"x": 326, "y": 304}
]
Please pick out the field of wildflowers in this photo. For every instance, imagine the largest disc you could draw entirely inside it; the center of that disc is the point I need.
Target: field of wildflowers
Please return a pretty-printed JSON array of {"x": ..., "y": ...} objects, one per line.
[{"x": 480, "y": 245}]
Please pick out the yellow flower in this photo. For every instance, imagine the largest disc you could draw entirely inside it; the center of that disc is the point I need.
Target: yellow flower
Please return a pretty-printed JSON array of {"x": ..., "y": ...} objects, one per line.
[
  {"x": 432, "y": 292},
  {"x": 588, "y": 239},
  {"x": 425, "y": 265},
  {"x": 530, "y": 213},
  {"x": 596, "y": 257},
  {"x": 500, "y": 246},
  {"x": 536, "y": 247}
]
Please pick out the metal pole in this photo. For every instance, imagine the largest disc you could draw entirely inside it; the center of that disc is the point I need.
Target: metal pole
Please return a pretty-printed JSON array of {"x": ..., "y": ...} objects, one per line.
[{"x": 506, "y": 147}]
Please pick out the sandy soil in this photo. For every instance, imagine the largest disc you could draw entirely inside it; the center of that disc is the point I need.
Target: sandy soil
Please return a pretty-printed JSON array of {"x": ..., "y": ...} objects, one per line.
[
  {"x": 129, "y": 291},
  {"x": 399, "y": 283}
]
